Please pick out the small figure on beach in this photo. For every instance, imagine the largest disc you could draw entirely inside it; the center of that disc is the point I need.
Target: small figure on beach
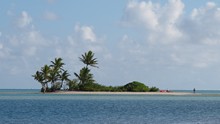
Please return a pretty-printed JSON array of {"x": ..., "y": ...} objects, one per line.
[{"x": 194, "y": 90}]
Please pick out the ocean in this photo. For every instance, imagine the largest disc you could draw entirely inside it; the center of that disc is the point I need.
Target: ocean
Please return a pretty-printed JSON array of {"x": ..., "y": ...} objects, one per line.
[{"x": 32, "y": 107}]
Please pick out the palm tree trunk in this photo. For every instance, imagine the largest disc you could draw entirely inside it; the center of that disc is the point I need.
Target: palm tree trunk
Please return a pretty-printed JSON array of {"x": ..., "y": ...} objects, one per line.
[{"x": 44, "y": 87}]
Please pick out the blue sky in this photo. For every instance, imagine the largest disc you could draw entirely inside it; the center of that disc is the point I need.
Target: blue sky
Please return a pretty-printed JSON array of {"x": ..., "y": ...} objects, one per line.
[{"x": 170, "y": 44}]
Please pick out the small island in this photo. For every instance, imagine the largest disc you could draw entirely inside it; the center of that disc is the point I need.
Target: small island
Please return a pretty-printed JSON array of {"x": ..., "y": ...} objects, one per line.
[{"x": 55, "y": 78}]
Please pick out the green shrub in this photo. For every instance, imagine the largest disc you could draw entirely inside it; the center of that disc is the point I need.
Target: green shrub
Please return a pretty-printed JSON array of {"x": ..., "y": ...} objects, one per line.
[
  {"x": 92, "y": 87},
  {"x": 154, "y": 89},
  {"x": 135, "y": 87}
]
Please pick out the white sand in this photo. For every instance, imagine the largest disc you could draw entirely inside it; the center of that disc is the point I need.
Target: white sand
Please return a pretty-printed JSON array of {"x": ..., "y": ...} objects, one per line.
[{"x": 129, "y": 93}]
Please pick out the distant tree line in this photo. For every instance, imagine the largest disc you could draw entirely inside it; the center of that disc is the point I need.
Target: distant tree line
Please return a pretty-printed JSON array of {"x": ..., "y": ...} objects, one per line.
[{"x": 54, "y": 77}]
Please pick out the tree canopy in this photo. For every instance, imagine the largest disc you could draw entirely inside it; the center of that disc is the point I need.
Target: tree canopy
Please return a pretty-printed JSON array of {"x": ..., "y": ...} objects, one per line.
[{"x": 88, "y": 59}]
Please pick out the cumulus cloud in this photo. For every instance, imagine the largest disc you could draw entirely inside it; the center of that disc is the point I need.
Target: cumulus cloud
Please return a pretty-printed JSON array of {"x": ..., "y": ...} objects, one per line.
[
  {"x": 84, "y": 37},
  {"x": 156, "y": 20},
  {"x": 86, "y": 33},
  {"x": 36, "y": 49},
  {"x": 18, "y": 51},
  {"x": 203, "y": 25},
  {"x": 27, "y": 43},
  {"x": 24, "y": 20},
  {"x": 171, "y": 37},
  {"x": 141, "y": 14}
]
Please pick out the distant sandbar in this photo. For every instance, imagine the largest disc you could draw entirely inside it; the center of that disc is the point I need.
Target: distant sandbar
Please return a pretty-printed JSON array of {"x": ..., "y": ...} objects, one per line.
[{"x": 126, "y": 93}]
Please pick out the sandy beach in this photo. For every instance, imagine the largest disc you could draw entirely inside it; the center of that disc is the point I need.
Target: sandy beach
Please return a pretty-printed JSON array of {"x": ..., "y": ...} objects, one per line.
[{"x": 126, "y": 93}]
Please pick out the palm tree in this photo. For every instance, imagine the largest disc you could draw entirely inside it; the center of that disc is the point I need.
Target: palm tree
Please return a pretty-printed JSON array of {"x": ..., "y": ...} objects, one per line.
[
  {"x": 64, "y": 77},
  {"x": 57, "y": 64},
  {"x": 53, "y": 77},
  {"x": 88, "y": 59},
  {"x": 52, "y": 74},
  {"x": 39, "y": 77},
  {"x": 43, "y": 77},
  {"x": 84, "y": 76},
  {"x": 56, "y": 70},
  {"x": 46, "y": 73}
]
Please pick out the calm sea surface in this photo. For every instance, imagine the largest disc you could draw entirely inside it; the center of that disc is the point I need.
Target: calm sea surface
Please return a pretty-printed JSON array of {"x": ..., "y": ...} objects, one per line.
[{"x": 30, "y": 106}]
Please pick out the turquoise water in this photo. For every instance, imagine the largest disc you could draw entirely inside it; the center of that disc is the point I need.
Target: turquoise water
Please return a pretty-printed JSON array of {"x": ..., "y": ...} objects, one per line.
[{"x": 29, "y": 106}]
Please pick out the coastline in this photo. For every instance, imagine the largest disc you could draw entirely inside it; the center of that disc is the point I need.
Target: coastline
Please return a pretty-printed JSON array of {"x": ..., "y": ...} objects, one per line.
[{"x": 124, "y": 93}]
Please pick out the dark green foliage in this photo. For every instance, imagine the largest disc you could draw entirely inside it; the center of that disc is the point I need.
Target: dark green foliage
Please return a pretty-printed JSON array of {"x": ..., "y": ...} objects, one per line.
[
  {"x": 87, "y": 83},
  {"x": 88, "y": 59},
  {"x": 117, "y": 89},
  {"x": 154, "y": 89},
  {"x": 73, "y": 85},
  {"x": 92, "y": 87},
  {"x": 56, "y": 86},
  {"x": 55, "y": 74},
  {"x": 136, "y": 87},
  {"x": 85, "y": 76}
]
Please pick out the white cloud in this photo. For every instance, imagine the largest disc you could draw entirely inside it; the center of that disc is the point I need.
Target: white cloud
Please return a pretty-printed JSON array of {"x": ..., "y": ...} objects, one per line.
[
  {"x": 203, "y": 26},
  {"x": 50, "y": 16},
  {"x": 30, "y": 51},
  {"x": 34, "y": 37},
  {"x": 86, "y": 33},
  {"x": 4, "y": 51},
  {"x": 24, "y": 20},
  {"x": 211, "y": 4},
  {"x": 160, "y": 20},
  {"x": 141, "y": 14},
  {"x": 27, "y": 43},
  {"x": 171, "y": 38},
  {"x": 24, "y": 49},
  {"x": 85, "y": 38}
]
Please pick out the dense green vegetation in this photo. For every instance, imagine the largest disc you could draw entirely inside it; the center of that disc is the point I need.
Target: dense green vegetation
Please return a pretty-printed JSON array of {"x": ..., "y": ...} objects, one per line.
[
  {"x": 136, "y": 87},
  {"x": 53, "y": 74},
  {"x": 54, "y": 77}
]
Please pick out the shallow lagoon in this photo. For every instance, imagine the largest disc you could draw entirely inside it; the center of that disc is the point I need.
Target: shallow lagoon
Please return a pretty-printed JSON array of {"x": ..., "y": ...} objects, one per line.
[{"x": 30, "y": 106}]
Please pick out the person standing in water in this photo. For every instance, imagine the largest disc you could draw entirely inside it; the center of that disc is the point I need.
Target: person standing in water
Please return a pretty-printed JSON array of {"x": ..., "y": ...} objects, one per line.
[{"x": 194, "y": 90}]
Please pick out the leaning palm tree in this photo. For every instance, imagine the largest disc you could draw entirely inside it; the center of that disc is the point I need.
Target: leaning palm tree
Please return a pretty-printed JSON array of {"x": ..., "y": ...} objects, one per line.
[
  {"x": 39, "y": 77},
  {"x": 89, "y": 60}
]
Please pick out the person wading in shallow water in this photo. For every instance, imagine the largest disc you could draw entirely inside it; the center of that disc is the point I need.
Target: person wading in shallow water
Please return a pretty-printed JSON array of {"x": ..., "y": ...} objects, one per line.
[{"x": 194, "y": 90}]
